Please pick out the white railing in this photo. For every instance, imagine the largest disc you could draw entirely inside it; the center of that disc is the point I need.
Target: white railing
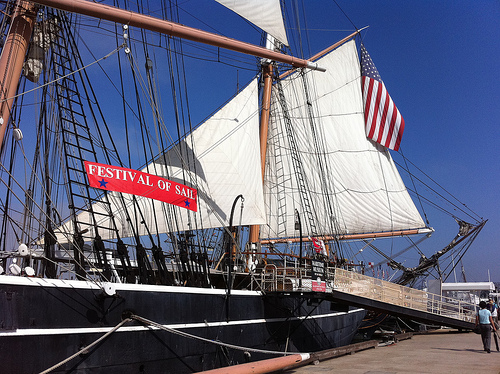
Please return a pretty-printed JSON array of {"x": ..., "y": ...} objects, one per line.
[{"x": 296, "y": 279}]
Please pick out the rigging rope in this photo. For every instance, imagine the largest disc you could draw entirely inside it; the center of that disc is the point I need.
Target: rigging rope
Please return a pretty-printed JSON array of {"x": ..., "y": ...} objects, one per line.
[
  {"x": 41, "y": 222},
  {"x": 163, "y": 127},
  {"x": 415, "y": 187},
  {"x": 65, "y": 76},
  {"x": 477, "y": 218}
]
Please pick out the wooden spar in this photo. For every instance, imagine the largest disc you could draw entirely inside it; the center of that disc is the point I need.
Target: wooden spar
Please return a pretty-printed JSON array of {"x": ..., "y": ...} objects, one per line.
[
  {"x": 351, "y": 236},
  {"x": 264, "y": 125},
  {"x": 12, "y": 58},
  {"x": 325, "y": 51},
  {"x": 264, "y": 366},
  {"x": 130, "y": 18},
  {"x": 332, "y": 47}
]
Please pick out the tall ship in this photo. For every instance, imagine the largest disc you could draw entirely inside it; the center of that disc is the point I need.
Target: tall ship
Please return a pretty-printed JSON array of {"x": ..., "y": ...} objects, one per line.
[{"x": 133, "y": 239}]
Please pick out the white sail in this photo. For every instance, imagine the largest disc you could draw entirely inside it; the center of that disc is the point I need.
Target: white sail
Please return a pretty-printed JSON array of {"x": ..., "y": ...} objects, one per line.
[
  {"x": 352, "y": 185},
  {"x": 266, "y": 14},
  {"x": 349, "y": 183},
  {"x": 221, "y": 158}
]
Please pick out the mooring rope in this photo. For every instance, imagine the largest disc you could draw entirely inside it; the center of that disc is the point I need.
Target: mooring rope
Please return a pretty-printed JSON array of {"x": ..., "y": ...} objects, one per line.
[
  {"x": 186, "y": 335},
  {"x": 168, "y": 329},
  {"x": 87, "y": 347}
]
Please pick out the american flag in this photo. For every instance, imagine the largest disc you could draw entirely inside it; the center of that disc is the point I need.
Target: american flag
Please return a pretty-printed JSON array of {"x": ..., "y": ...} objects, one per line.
[
  {"x": 384, "y": 123},
  {"x": 319, "y": 246}
]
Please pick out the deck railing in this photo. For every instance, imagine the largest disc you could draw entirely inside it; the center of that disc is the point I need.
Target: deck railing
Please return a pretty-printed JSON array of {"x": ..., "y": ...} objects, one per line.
[{"x": 274, "y": 278}]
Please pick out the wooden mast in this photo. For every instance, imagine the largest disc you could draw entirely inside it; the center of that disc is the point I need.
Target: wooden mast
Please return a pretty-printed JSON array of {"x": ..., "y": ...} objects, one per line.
[
  {"x": 12, "y": 58},
  {"x": 267, "y": 73}
]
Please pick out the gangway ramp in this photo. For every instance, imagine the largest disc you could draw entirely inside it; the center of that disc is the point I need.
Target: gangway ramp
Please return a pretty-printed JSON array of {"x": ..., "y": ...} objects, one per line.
[{"x": 354, "y": 289}]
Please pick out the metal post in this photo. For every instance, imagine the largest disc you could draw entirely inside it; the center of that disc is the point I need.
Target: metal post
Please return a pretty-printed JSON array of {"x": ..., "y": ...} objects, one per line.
[
  {"x": 230, "y": 250},
  {"x": 298, "y": 226}
]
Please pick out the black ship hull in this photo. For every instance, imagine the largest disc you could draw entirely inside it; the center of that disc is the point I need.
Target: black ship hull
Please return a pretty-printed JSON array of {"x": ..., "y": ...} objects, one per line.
[{"x": 43, "y": 322}]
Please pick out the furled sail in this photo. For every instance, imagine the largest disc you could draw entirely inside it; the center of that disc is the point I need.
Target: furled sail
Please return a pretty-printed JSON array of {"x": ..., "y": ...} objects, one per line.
[
  {"x": 320, "y": 163},
  {"x": 221, "y": 159},
  {"x": 266, "y": 14}
]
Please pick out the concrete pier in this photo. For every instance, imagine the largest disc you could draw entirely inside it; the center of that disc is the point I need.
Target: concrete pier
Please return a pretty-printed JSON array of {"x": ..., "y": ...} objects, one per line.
[{"x": 441, "y": 351}]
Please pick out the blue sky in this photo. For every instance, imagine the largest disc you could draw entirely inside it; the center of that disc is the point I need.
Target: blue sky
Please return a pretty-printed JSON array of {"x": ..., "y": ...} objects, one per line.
[{"x": 438, "y": 62}]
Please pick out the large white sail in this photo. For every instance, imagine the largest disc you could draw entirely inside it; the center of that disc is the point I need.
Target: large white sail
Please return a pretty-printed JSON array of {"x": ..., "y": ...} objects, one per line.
[
  {"x": 266, "y": 14},
  {"x": 351, "y": 183},
  {"x": 221, "y": 158}
]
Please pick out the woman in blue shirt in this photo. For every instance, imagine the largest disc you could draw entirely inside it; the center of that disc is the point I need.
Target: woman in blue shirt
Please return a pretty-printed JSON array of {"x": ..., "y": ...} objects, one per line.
[{"x": 485, "y": 322}]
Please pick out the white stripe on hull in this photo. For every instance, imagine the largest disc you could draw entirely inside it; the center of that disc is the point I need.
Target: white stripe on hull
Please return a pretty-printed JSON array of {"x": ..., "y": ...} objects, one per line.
[
  {"x": 103, "y": 330},
  {"x": 84, "y": 285}
]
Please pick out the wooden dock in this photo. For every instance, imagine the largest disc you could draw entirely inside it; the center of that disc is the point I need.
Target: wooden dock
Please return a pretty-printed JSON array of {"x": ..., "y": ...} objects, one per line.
[{"x": 441, "y": 351}]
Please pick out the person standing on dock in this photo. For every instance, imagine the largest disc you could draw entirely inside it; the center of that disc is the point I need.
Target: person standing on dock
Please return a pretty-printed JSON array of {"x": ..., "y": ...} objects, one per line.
[
  {"x": 493, "y": 308},
  {"x": 485, "y": 322}
]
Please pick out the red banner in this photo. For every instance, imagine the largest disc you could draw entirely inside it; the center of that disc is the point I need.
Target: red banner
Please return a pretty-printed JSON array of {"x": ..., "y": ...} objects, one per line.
[
  {"x": 319, "y": 286},
  {"x": 114, "y": 178}
]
